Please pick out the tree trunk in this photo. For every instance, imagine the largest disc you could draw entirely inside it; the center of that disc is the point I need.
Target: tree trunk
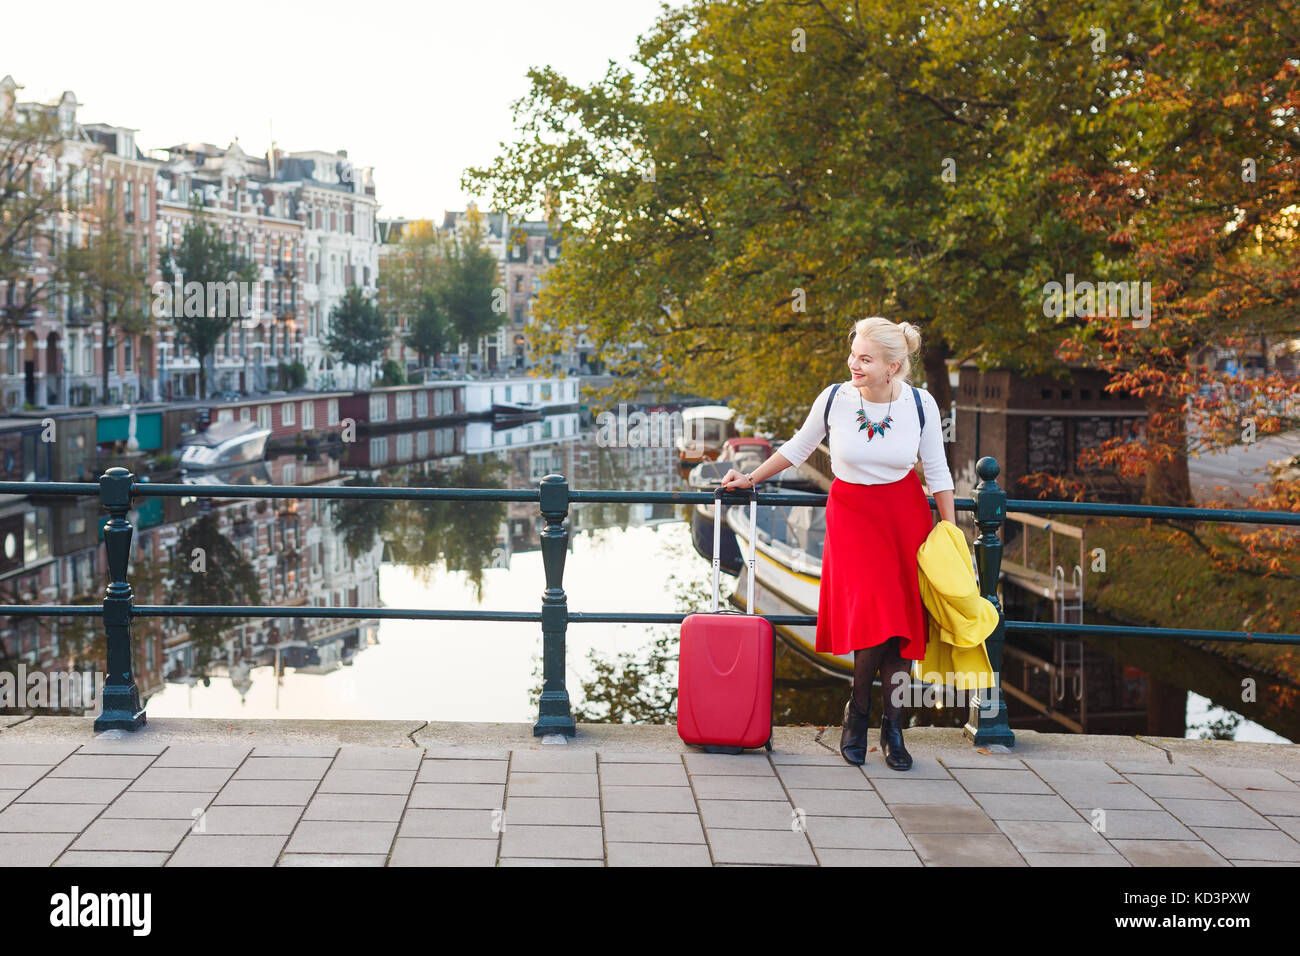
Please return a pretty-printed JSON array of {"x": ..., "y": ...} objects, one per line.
[
  {"x": 203, "y": 377},
  {"x": 1167, "y": 480},
  {"x": 933, "y": 353},
  {"x": 103, "y": 359}
]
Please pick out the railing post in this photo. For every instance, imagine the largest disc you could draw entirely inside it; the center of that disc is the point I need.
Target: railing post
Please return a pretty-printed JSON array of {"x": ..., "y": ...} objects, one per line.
[
  {"x": 553, "y": 713},
  {"x": 988, "y": 714},
  {"x": 122, "y": 709}
]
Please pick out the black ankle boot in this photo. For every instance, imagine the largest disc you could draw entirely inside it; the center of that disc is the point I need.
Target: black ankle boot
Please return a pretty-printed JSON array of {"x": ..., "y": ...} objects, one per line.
[
  {"x": 891, "y": 745},
  {"x": 853, "y": 738}
]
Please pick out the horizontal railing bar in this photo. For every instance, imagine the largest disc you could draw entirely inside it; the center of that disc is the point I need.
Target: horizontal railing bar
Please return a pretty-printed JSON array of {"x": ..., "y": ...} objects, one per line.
[
  {"x": 145, "y": 489},
  {"x": 632, "y": 617},
  {"x": 1102, "y": 630},
  {"x": 412, "y": 614},
  {"x": 51, "y": 610},
  {"x": 1097, "y": 509},
  {"x": 71, "y": 488},
  {"x": 599, "y": 617},
  {"x": 150, "y": 490}
]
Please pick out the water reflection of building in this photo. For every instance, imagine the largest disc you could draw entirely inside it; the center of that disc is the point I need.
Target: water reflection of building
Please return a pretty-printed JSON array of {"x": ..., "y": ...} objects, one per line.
[
  {"x": 298, "y": 562},
  {"x": 644, "y": 460},
  {"x": 51, "y": 553}
]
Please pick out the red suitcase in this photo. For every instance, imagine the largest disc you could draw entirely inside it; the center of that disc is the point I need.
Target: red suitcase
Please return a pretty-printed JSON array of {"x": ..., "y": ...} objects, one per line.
[{"x": 726, "y": 665}]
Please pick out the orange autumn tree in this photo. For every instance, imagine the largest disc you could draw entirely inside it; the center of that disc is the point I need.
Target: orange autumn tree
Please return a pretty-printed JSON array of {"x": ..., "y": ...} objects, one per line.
[{"x": 1198, "y": 198}]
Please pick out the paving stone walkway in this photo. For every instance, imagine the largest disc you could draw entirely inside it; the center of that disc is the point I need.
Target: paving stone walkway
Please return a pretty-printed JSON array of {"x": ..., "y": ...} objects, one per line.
[{"x": 169, "y": 801}]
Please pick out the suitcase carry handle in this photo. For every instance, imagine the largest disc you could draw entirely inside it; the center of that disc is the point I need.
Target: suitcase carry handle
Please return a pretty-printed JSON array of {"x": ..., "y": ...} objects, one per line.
[{"x": 717, "y": 544}]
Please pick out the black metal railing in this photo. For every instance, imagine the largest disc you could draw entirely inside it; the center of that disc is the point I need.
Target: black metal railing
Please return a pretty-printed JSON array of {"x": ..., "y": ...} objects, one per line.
[{"x": 988, "y": 714}]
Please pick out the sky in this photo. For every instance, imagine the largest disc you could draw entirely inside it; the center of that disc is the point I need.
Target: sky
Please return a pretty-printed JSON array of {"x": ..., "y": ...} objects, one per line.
[{"x": 419, "y": 90}]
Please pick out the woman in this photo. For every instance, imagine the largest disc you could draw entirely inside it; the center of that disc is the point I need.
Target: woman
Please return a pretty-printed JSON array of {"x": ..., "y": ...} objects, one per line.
[{"x": 877, "y": 517}]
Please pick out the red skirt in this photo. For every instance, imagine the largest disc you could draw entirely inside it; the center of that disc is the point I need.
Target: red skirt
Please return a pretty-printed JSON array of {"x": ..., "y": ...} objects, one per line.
[{"x": 869, "y": 588}]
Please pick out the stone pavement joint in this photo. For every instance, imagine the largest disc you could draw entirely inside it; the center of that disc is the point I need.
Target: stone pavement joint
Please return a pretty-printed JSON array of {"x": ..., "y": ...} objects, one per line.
[{"x": 397, "y": 793}]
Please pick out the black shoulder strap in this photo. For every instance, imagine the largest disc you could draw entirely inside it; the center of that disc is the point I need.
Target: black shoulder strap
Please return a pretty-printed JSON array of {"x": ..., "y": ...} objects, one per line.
[
  {"x": 920, "y": 412},
  {"x": 826, "y": 414}
]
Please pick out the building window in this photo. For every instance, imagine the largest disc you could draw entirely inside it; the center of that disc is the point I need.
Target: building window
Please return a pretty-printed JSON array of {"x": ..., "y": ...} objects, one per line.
[
  {"x": 378, "y": 451},
  {"x": 403, "y": 405},
  {"x": 332, "y": 411},
  {"x": 308, "y": 415},
  {"x": 422, "y": 404},
  {"x": 286, "y": 413},
  {"x": 112, "y": 355},
  {"x": 263, "y": 416},
  {"x": 379, "y": 408}
]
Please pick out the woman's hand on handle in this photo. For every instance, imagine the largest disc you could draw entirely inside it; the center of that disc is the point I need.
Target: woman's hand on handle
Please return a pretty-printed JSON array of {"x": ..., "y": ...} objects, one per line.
[
  {"x": 734, "y": 480},
  {"x": 737, "y": 481}
]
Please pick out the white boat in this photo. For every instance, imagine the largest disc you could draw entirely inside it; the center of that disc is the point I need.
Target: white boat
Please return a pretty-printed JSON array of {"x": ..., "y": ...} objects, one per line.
[
  {"x": 704, "y": 429},
  {"x": 788, "y": 572},
  {"x": 225, "y": 444}
]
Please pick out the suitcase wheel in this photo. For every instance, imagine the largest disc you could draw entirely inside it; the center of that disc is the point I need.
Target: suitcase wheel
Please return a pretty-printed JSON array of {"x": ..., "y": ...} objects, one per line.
[{"x": 768, "y": 746}]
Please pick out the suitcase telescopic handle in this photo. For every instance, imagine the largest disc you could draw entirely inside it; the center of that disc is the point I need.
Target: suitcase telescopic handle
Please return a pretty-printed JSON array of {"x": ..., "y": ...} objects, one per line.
[{"x": 717, "y": 545}]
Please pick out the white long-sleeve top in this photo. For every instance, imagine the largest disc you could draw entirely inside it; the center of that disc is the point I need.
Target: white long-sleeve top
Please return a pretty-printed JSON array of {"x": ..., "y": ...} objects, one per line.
[{"x": 888, "y": 456}]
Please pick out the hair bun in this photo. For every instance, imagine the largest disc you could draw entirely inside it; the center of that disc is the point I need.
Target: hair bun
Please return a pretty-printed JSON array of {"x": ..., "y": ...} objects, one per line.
[{"x": 913, "y": 336}]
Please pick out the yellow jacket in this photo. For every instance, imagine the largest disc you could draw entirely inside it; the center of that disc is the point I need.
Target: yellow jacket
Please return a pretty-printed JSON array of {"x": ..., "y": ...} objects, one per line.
[{"x": 960, "y": 618}]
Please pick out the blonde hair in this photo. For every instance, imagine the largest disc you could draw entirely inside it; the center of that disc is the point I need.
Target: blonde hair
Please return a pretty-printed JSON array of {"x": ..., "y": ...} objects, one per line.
[{"x": 898, "y": 341}]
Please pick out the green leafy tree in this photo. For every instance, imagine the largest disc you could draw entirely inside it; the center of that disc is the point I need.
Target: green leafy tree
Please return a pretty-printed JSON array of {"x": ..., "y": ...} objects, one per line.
[
  {"x": 108, "y": 276},
  {"x": 358, "y": 331},
  {"x": 800, "y": 184},
  {"x": 204, "y": 257},
  {"x": 744, "y": 191},
  {"x": 408, "y": 289},
  {"x": 430, "y": 331},
  {"x": 469, "y": 291}
]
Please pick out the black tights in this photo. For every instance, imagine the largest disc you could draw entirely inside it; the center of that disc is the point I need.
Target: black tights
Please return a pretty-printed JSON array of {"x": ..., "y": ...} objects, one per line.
[{"x": 889, "y": 661}]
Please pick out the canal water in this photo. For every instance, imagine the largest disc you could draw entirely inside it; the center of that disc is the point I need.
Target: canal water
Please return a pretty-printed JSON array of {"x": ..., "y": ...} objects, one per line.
[{"x": 475, "y": 555}]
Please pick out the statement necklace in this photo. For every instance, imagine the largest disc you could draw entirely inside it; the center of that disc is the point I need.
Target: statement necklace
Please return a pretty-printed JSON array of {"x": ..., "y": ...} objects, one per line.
[{"x": 873, "y": 428}]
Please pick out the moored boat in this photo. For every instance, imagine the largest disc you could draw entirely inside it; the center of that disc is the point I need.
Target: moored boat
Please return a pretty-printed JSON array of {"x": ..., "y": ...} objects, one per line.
[
  {"x": 224, "y": 444},
  {"x": 511, "y": 412}
]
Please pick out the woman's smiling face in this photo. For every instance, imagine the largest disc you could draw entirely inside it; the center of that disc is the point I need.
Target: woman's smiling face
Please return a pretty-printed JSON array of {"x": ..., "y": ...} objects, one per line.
[{"x": 866, "y": 362}]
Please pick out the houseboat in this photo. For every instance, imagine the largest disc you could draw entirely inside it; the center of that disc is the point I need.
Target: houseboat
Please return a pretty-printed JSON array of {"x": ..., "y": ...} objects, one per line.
[{"x": 483, "y": 397}]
